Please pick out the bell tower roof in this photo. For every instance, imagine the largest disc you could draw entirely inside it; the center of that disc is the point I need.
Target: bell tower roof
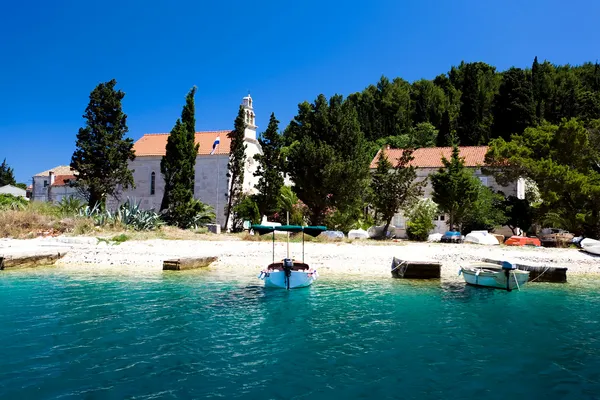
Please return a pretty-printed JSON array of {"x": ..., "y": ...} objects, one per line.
[{"x": 249, "y": 117}]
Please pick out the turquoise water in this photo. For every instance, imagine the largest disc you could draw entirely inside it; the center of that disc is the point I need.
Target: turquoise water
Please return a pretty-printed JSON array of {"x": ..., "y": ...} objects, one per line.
[{"x": 203, "y": 335}]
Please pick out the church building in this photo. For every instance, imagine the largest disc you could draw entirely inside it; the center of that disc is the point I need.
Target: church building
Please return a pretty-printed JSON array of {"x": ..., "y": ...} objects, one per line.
[{"x": 212, "y": 184}]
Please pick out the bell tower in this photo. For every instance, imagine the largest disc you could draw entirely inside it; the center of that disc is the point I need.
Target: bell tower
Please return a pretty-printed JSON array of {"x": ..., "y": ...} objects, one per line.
[{"x": 250, "y": 132}]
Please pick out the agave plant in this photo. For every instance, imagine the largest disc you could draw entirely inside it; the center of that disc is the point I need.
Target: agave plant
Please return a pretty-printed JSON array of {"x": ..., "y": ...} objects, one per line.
[{"x": 130, "y": 214}]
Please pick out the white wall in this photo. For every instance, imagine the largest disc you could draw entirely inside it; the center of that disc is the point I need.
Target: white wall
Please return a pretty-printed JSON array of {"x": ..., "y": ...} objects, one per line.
[{"x": 210, "y": 182}]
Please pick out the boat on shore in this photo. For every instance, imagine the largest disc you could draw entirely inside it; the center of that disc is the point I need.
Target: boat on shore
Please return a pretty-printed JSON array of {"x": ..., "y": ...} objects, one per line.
[
  {"x": 505, "y": 276},
  {"x": 288, "y": 273}
]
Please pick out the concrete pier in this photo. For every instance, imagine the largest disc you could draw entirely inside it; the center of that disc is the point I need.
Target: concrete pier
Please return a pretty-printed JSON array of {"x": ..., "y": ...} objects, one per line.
[
  {"x": 181, "y": 264},
  {"x": 26, "y": 259}
]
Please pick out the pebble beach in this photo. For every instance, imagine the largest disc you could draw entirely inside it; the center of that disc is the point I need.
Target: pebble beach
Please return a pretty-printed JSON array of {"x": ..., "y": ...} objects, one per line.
[{"x": 364, "y": 258}]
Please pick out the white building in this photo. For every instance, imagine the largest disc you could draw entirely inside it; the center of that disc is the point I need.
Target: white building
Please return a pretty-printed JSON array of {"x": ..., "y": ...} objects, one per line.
[
  {"x": 54, "y": 184},
  {"x": 429, "y": 160},
  {"x": 13, "y": 190},
  {"x": 211, "y": 182}
]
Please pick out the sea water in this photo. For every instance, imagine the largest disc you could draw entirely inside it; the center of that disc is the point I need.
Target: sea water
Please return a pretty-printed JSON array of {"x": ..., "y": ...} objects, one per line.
[{"x": 203, "y": 334}]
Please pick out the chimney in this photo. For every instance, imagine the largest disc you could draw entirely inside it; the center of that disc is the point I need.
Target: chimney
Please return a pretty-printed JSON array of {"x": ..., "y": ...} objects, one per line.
[
  {"x": 51, "y": 178},
  {"x": 387, "y": 147}
]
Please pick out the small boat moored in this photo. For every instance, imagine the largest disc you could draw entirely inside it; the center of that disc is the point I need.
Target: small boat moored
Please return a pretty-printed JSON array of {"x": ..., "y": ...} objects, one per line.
[
  {"x": 505, "y": 276},
  {"x": 288, "y": 273}
]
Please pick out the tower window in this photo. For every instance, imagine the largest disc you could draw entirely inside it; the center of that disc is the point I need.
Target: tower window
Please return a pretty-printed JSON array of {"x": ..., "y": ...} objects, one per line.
[{"x": 152, "y": 183}]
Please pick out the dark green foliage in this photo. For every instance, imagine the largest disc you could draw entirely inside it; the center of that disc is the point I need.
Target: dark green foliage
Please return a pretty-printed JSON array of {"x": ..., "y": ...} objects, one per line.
[
  {"x": 21, "y": 185},
  {"x": 420, "y": 220},
  {"x": 514, "y": 108},
  {"x": 327, "y": 156},
  {"x": 393, "y": 187},
  {"x": 479, "y": 84},
  {"x": 384, "y": 110},
  {"x": 455, "y": 188},
  {"x": 269, "y": 169},
  {"x": 236, "y": 165},
  {"x": 563, "y": 161},
  {"x": 429, "y": 102},
  {"x": 245, "y": 210},
  {"x": 519, "y": 214},
  {"x": 7, "y": 176},
  {"x": 486, "y": 212},
  {"x": 177, "y": 167},
  {"x": 102, "y": 150}
]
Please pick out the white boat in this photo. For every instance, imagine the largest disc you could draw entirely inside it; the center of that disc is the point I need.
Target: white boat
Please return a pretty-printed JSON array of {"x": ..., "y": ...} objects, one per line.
[
  {"x": 288, "y": 273},
  {"x": 505, "y": 276},
  {"x": 590, "y": 246},
  {"x": 481, "y": 237}
]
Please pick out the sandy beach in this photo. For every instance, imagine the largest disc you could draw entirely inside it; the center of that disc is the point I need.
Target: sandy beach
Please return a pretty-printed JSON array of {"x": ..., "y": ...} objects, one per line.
[{"x": 357, "y": 258}]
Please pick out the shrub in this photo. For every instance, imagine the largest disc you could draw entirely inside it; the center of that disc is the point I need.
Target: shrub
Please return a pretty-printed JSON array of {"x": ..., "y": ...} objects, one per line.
[
  {"x": 10, "y": 202},
  {"x": 70, "y": 206},
  {"x": 245, "y": 210},
  {"x": 420, "y": 220}
]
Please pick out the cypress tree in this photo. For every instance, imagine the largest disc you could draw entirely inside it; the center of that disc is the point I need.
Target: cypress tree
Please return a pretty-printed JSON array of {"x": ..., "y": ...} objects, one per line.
[
  {"x": 237, "y": 163},
  {"x": 102, "y": 151},
  {"x": 455, "y": 189},
  {"x": 514, "y": 108},
  {"x": 7, "y": 176},
  {"x": 394, "y": 187},
  {"x": 269, "y": 169},
  {"x": 177, "y": 167}
]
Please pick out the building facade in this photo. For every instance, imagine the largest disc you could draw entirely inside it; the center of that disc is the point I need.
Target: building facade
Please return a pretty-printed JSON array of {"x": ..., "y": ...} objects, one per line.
[
  {"x": 211, "y": 181},
  {"x": 429, "y": 160},
  {"x": 54, "y": 184}
]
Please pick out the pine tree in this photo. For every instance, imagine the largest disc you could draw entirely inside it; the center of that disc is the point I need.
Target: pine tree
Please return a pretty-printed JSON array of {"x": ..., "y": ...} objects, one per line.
[
  {"x": 327, "y": 157},
  {"x": 394, "y": 187},
  {"x": 237, "y": 163},
  {"x": 102, "y": 151},
  {"x": 269, "y": 169},
  {"x": 455, "y": 188},
  {"x": 514, "y": 108},
  {"x": 7, "y": 176},
  {"x": 177, "y": 167}
]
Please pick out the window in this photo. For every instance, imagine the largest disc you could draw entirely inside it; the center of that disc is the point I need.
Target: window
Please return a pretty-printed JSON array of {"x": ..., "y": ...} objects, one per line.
[
  {"x": 484, "y": 180},
  {"x": 152, "y": 183},
  {"x": 45, "y": 183}
]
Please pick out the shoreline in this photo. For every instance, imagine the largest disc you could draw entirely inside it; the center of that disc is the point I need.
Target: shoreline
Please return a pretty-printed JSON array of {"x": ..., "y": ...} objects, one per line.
[{"x": 332, "y": 258}]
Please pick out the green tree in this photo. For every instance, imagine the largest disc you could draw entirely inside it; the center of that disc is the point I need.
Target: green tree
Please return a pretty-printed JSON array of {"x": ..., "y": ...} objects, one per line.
[
  {"x": 7, "y": 176},
  {"x": 485, "y": 212},
  {"x": 269, "y": 169},
  {"x": 245, "y": 210},
  {"x": 420, "y": 219},
  {"x": 102, "y": 151},
  {"x": 393, "y": 187},
  {"x": 423, "y": 134},
  {"x": 455, "y": 189},
  {"x": 563, "y": 162},
  {"x": 177, "y": 167},
  {"x": 514, "y": 108},
  {"x": 236, "y": 164},
  {"x": 429, "y": 102},
  {"x": 327, "y": 156},
  {"x": 519, "y": 213},
  {"x": 478, "y": 86}
]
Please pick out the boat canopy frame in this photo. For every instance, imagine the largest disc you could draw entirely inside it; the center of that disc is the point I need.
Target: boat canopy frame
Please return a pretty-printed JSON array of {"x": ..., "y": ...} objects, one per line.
[{"x": 313, "y": 231}]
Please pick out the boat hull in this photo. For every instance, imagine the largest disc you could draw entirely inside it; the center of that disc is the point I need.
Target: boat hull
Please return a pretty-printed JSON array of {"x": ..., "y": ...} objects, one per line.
[
  {"x": 297, "y": 279},
  {"x": 493, "y": 277},
  {"x": 592, "y": 249}
]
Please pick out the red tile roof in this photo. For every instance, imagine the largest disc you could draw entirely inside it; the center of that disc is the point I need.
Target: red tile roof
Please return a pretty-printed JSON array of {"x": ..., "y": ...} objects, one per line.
[
  {"x": 154, "y": 144},
  {"x": 431, "y": 157},
  {"x": 63, "y": 180}
]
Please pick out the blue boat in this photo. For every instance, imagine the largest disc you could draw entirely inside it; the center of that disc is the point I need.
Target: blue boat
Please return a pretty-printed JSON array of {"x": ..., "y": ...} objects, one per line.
[{"x": 452, "y": 237}]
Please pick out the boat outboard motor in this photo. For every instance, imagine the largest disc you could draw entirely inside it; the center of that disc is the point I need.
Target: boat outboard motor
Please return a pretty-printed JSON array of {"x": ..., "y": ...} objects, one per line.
[
  {"x": 508, "y": 266},
  {"x": 287, "y": 268}
]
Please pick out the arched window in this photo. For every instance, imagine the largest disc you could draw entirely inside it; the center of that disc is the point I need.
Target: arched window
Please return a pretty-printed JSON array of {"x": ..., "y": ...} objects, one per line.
[{"x": 152, "y": 183}]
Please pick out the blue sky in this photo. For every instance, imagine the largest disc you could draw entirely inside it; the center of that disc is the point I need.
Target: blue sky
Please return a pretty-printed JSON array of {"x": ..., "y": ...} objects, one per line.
[{"x": 53, "y": 53}]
